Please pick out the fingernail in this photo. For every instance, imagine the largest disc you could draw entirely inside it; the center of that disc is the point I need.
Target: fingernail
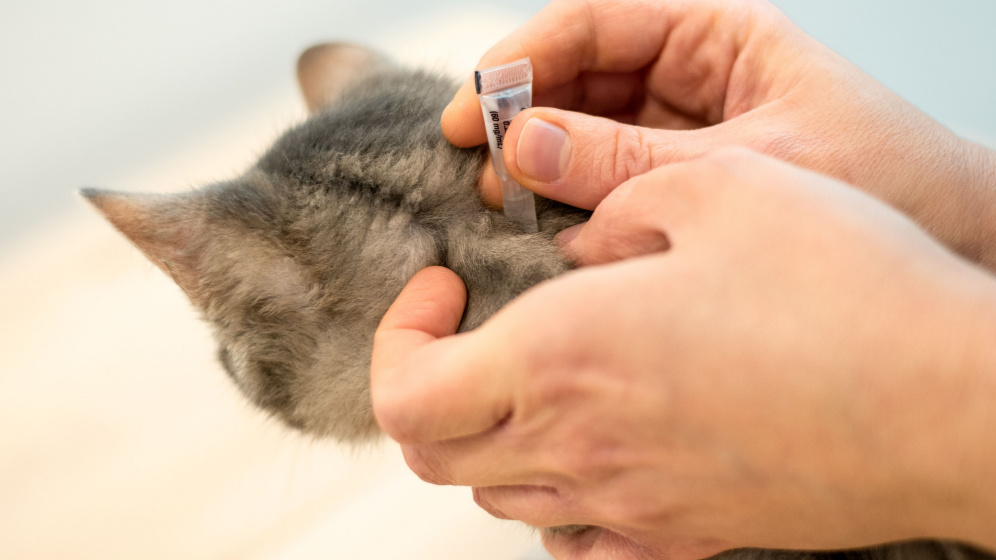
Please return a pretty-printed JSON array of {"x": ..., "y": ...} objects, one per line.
[
  {"x": 544, "y": 150},
  {"x": 567, "y": 235},
  {"x": 564, "y": 239}
]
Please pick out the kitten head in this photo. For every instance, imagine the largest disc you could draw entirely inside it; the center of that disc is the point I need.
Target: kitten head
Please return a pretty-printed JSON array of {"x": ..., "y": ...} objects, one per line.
[{"x": 295, "y": 262}]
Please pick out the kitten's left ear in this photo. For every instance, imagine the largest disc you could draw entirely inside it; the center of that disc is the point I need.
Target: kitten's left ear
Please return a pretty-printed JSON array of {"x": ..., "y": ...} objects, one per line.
[
  {"x": 171, "y": 230},
  {"x": 325, "y": 71}
]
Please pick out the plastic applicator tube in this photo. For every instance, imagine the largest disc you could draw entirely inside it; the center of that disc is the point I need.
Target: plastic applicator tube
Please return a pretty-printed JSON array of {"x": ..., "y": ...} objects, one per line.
[{"x": 504, "y": 92}]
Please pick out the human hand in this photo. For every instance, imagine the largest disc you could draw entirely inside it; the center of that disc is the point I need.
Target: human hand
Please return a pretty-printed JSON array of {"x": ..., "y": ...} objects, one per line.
[
  {"x": 800, "y": 368},
  {"x": 671, "y": 80}
]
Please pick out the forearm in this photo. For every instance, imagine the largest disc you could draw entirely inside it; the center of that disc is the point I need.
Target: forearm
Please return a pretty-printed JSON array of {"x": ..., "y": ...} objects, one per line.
[{"x": 958, "y": 200}]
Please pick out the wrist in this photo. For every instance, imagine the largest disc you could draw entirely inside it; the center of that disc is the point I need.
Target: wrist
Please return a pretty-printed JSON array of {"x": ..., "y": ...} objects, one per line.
[
  {"x": 945, "y": 183},
  {"x": 986, "y": 228},
  {"x": 965, "y": 499},
  {"x": 978, "y": 205}
]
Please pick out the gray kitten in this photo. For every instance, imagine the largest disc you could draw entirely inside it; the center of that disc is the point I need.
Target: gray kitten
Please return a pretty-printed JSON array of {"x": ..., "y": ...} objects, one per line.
[{"x": 295, "y": 262}]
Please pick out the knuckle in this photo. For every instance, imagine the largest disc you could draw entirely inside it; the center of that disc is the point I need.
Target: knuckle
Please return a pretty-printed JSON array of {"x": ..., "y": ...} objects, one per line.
[
  {"x": 587, "y": 459},
  {"x": 389, "y": 413},
  {"x": 488, "y": 500},
  {"x": 731, "y": 156},
  {"x": 780, "y": 144},
  {"x": 425, "y": 465},
  {"x": 627, "y": 154},
  {"x": 628, "y": 205},
  {"x": 542, "y": 373},
  {"x": 629, "y": 222},
  {"x": 386, "y": 417},
  {"x": 722, "y": 167}
]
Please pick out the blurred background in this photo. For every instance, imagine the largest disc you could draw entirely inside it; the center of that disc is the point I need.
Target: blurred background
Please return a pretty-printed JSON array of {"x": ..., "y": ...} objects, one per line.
[{"x": 119, "y": 435}]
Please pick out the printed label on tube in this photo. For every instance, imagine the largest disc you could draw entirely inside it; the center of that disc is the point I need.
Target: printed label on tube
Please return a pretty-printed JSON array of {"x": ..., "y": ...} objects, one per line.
[{"x": 504, "y": 92}]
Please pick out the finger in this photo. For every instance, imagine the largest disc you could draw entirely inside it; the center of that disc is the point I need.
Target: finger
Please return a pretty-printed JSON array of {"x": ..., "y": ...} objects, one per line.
[
  {"x": 603, "y": 153},
  {"x": 598, "y": 542},
  {"x": 579, "y": 159},
  {"x": 429, "y": 307},
  {"x": 629, "y": 223},
  {"x": 490, "y": 186},
  {"x": 654, "y": 212},
  {"x": 688, "y": 50},
  {"x": 453, "y": 462},
  {"x": 462, "y": 121},
  {"x": 496, "y": 457},
  {"x": 617, "y": 95},
  {"x": 538, "y": 506},
  {"x": 425, "y": 384},
  {"x": 564, "y": 40},
  {"x": 540, "y": 146}
]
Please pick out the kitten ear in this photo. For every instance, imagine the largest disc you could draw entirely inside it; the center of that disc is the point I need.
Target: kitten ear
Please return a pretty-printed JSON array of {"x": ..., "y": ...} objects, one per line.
[
  {"x": 170, "y": 230},
  {"x": 325, "y": 71}
]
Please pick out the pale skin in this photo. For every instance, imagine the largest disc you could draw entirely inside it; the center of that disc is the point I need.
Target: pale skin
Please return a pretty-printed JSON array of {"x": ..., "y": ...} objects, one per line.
[{"x": 751, "y": 354}]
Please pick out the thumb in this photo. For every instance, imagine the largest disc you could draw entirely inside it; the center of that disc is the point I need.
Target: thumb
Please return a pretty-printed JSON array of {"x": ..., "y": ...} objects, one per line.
[
  {"x": 632, "y": 221},
  {"x": 666, "y": 208},
  {"x": 578, "y": 159},
  {"x": 425, "y": 384}
]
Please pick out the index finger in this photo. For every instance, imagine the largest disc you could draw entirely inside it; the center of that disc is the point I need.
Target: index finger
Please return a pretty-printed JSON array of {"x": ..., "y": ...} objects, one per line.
[
  {"x": 426, "y": 383},
  {"x": 565, "y": 40}
]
